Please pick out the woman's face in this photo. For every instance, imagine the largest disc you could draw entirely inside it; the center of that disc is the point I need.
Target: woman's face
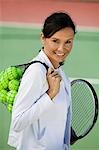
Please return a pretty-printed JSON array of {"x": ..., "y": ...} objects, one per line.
[{"x": 59, "y": 45}]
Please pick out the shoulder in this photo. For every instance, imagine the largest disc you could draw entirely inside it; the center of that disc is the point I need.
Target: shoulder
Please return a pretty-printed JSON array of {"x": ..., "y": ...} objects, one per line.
[
  {"x": 35, "y": 70},
  {"x": 37, "y": 66}
]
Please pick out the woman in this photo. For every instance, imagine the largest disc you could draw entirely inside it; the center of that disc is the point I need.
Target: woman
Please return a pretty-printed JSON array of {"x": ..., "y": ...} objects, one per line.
[{"x": 42, "y": 110}]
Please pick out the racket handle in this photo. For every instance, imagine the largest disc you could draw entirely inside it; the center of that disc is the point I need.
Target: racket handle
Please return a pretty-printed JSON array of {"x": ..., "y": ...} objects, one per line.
[{"x": 73, "y": 138}]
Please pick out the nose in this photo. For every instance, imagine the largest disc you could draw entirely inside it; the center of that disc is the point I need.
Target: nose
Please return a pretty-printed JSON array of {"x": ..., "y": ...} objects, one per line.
[
  {"x": 64, "y": 48},
  {"x": 61, "y": 47}
]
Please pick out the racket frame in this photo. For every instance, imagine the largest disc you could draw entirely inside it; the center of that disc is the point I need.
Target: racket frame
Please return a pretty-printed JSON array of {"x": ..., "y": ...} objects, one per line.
[{"x": 96, "y": 105}]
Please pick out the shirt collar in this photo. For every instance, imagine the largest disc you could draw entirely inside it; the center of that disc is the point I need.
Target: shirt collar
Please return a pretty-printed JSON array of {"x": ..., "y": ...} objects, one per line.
[{"x": 45, "y": 59}]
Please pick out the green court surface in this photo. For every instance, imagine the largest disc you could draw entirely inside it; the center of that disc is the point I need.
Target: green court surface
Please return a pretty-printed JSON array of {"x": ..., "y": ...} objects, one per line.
[{"x": 20, "y": 45}]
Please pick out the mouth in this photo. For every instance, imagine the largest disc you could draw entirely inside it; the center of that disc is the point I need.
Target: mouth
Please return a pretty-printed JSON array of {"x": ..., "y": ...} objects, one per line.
[{"x": 60, "y": 54}]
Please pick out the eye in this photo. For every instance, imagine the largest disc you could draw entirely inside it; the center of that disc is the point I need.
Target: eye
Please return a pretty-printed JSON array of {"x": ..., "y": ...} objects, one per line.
[
  {"x": 54, "y": 41},
  {"x": 69, "y": 42}
]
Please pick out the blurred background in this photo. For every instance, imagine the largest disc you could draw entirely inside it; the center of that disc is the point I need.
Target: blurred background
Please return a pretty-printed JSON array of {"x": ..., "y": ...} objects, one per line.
[{"x": 20, "y": 26}]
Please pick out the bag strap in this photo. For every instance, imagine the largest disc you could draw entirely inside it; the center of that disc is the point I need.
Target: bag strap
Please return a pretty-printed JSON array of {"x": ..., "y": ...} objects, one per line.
[
  {"x": 26, "y": 65},
  {"x": 37, "y": 61}
]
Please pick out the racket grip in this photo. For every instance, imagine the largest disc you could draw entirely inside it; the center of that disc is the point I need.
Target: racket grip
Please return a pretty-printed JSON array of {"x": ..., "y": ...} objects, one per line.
[{"x": 73, "y": 138}]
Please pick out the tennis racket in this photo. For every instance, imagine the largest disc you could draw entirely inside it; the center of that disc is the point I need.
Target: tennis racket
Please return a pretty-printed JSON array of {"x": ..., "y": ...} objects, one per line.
[{"x": 84, "y": 109}]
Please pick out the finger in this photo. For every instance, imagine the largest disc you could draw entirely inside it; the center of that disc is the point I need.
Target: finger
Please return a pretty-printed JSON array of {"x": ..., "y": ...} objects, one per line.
[
  {"x": 54, "y": 73},
  {"x": 50, "y": 70},
  {"x": 58, "y": 77}
]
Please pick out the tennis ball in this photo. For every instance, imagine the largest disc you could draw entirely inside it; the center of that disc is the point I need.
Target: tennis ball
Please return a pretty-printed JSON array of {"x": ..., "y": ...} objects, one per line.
[
  {"x": 13, "y": 85},
  {"x": 9, "y": 107},
  {"x": 1, "y": 74},
  {"x": 11, "y": 96},
  {"x": 12, "y": 73},
  {"x": 3, "y": 83},
  {"x": 3, "y": 96},
  {"x": 1, "y": 87},
  {"x": 20, "y": 72},
  {"x": 5, "y": 75}
]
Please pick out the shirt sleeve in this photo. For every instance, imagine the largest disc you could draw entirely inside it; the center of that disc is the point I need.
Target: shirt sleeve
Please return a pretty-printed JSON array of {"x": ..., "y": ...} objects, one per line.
[{"x": 30, "y": 102}]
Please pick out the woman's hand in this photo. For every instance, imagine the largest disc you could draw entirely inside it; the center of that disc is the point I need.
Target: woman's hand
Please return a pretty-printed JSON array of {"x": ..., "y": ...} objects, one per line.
[{"x": 53, "y": 79}]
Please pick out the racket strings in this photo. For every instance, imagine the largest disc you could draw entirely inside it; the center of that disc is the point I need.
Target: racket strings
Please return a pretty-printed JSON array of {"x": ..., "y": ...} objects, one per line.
[
  {"x": 83, "y": 110},
  {"x": 79, "y": 126},
  {"x": 82, "y": 104}
]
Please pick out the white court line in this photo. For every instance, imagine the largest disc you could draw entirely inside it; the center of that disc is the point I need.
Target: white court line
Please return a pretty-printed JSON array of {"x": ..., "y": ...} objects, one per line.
[
  {"x": 39, "y": 25},
  {"x": 20, "y": 25},
  {"x": 92, "y": 81}
]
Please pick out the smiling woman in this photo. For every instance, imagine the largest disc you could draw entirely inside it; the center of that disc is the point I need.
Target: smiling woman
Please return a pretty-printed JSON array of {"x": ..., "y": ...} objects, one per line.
[
  {"x": 58, "y": 46},
  {"x": 42, "y": 111},
  {"x": 57, "y": 37}
]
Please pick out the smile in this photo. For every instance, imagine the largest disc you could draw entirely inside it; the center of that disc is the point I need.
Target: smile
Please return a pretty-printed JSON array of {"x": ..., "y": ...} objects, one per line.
[{"x": 60, "y": 54}]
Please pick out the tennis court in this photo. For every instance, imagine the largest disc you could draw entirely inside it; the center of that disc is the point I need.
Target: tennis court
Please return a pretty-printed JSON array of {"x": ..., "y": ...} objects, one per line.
[{"x": 19, "y": 44}]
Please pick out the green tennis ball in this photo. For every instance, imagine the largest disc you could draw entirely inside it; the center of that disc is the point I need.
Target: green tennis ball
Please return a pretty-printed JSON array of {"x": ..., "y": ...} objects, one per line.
[
  {"x": 9, "y": 107},
  {"x": 12, "y": 73},
  {"x": 1, "y": 87},
  {"x": 5, "y": 75},
  {"x": 20, "y": 72},
  {"x": 3, "y": 96},
  {"x": 3, "y": 83},
  {"x": 1, "y": 74},
  {"x": 13, "y": 85},
  {"x": 11, "y": 96}
]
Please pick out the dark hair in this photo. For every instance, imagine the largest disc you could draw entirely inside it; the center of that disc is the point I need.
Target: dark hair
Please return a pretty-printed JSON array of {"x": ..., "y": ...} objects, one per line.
[{"x": 56, "y": 22}]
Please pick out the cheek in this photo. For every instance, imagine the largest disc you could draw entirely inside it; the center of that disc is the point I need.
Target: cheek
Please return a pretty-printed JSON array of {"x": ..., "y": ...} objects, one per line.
[
  {"x": 69, "y": 49},
  {"x": 51, "y": 48}
]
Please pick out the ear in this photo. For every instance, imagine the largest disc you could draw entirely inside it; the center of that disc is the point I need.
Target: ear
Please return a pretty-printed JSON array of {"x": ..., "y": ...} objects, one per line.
[{"x": 42, "y": 37}]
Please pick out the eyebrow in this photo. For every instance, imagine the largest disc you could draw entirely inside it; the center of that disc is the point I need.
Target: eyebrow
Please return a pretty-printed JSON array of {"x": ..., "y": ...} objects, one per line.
[{"x": 54, "y": 38}]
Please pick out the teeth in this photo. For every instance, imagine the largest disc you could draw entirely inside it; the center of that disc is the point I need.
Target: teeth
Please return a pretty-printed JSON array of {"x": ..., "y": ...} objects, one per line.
[{"x": 60, "y": 54}]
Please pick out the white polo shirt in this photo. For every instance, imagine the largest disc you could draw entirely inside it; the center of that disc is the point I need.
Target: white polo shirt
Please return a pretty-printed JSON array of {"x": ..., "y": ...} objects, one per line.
[{"x": 38, "y": 123}]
